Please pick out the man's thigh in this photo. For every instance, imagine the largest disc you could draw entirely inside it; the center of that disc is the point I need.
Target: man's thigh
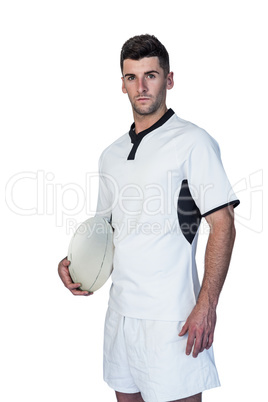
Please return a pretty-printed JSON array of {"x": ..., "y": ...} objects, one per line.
[
  {"x": 194, "y": 398},
  {"x": 121, "y": 397}
]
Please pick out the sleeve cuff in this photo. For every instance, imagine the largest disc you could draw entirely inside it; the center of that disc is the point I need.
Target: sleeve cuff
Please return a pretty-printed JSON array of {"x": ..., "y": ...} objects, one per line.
[{"x": 235, "y": 203}]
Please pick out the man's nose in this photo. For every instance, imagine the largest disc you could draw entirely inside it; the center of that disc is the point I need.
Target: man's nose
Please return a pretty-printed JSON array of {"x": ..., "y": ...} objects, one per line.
[{"x": 142, "y": 86}]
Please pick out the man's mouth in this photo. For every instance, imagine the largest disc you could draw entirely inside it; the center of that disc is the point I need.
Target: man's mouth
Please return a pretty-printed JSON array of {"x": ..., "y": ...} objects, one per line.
[{"x": 143, "y": 99}]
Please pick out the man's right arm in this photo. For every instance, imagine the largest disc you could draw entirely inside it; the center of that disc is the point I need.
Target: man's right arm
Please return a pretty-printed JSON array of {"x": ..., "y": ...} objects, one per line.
[{"x": 63, "y": 270}]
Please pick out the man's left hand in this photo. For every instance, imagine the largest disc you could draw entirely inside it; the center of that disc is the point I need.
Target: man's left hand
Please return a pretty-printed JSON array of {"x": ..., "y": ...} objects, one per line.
[{"x": 200, "y": 326}]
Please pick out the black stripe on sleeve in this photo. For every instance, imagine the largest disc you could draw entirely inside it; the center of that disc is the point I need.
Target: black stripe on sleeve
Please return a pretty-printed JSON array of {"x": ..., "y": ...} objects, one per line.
[{"x": 234, "y": 203}]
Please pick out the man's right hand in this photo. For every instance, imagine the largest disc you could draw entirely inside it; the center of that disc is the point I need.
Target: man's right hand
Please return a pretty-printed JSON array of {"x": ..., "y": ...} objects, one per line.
[{"x": 64, "y": 274}]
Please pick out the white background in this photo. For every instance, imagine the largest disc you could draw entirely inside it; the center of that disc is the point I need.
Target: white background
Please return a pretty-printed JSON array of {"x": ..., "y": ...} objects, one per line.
[{"x": 61, "y": 105}]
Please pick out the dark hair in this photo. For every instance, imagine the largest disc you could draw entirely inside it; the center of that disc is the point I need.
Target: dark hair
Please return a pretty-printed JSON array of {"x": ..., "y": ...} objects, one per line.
[{"x": 145, "y": 46}]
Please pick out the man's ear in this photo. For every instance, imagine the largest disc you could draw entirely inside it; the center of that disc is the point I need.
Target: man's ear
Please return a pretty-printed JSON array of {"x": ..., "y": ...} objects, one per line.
[
  {"x": 123, "y": 86},
  {"x": 170, "y": 80}
]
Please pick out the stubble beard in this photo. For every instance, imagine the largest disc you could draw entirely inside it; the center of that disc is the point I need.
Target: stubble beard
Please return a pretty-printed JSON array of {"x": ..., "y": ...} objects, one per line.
[
  {"x": 146, "y": 110},
  {"x": 153, "y": 107}
]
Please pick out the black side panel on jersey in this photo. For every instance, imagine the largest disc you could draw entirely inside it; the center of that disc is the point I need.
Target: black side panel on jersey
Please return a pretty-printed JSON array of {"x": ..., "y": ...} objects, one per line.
[{"x": 188, "y": 213}]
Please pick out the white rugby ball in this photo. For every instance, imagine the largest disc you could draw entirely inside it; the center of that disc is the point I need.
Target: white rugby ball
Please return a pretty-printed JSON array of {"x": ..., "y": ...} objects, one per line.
[{"x": 91, "y": 253}]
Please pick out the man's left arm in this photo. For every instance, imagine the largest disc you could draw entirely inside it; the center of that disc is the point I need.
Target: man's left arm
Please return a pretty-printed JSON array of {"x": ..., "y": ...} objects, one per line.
[{"x": 201, "y": 323}]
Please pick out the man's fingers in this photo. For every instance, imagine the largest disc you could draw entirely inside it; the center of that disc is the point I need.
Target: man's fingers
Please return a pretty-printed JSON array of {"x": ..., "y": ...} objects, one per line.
[
  {"x": 207, "y": 341},
  {"x": 204, "y": 343},
  {"x": 66, "y": 262},
  {"x": 191, "y": 339},
  {"x": 198, "y": 344},
  {"x": 81, "y": 292},
  {"x": 190, "y": 342},
  {"x": 210, "y": 340},
  {"x": 184, "y": 330},
  {"x": 74, "y": 288}
]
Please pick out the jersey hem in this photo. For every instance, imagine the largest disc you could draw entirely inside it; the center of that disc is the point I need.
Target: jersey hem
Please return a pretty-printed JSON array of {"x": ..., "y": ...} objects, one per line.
[{"x": 152, "y": 317}]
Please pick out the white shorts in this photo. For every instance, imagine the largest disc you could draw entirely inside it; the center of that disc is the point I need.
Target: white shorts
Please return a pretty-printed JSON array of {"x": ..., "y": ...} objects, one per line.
[{"x": 149, "y": 357}]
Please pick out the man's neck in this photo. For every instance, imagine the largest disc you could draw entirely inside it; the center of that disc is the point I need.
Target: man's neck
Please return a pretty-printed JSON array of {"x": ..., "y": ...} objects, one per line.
[{"x": 142, "y": 122}]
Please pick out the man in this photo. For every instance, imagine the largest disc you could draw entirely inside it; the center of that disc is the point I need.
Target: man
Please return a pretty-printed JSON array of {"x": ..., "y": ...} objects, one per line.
[{"x": 156, "y": 183}]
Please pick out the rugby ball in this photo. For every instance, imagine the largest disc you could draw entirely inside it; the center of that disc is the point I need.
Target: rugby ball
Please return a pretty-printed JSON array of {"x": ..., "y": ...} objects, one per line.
[{"x": 91, "y": 253}]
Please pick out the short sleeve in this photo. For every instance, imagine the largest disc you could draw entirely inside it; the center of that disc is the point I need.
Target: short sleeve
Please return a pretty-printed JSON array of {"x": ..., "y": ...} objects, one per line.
[{"x": 207, "y": 179}]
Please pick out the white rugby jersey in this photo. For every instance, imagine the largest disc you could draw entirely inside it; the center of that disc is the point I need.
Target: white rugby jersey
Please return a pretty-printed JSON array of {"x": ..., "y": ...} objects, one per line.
[{"x": 154, "y": 188}]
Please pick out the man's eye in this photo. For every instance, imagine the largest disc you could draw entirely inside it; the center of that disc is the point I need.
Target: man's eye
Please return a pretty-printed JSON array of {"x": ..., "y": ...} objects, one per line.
[
  {"x": 151, "y": 76},
  {"x": 131, "y": 78}
]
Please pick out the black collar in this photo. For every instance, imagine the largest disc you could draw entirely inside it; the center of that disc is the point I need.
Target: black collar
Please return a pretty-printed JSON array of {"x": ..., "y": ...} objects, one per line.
[{"x": 138, "y": 137}]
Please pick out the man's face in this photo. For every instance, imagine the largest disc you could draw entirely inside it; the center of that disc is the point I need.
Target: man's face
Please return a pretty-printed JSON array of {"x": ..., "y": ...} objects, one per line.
[{"x": 146, "y": 85}]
